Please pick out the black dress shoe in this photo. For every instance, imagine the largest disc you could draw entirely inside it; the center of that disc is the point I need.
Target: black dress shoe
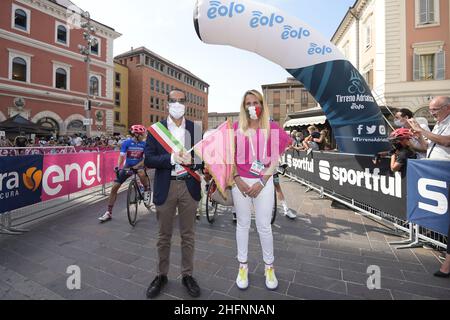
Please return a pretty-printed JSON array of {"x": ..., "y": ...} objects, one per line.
[
  {"x": 191, "y": 286},
  {"x": 440, "y": 274},
  {"x": 155, "y": 287}
]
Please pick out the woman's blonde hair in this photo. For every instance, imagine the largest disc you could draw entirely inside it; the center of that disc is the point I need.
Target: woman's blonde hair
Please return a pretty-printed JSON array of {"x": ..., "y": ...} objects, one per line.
[{"x": 244, "y": 118}]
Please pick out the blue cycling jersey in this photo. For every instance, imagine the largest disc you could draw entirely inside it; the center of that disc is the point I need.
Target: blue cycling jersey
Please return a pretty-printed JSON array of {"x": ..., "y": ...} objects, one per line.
[{"x": 134, "y": 152}]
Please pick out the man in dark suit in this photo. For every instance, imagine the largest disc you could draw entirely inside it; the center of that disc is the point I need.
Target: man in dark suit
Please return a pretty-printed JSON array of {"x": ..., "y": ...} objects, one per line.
[{"x": 176, "y": 186}]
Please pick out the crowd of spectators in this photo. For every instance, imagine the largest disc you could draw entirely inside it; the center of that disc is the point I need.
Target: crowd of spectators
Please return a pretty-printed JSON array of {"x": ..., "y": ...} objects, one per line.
[
  {"x": 77, "y": 140},
  {"x": 315, "y": 140}
]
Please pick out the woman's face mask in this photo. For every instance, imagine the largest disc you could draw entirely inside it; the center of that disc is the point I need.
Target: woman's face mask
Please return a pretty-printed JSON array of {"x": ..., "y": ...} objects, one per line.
[{"x": 254, "y": 112}]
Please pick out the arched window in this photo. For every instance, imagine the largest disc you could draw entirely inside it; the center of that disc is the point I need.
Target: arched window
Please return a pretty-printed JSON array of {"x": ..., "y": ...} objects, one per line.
[
  {"x": 49, "y": 123},
  {"x": 62, "y": 34},
  {"x": 61, "y": 79},
  {"x": 19, "y": 69},
  {"x": 94, "y": 87},
  {"x": 20, "y": 19},
  {"x": 76, "y": 126}
]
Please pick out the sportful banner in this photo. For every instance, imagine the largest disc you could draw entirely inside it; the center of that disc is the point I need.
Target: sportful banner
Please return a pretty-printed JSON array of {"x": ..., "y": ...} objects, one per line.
[
  {"x": 28, "y": 180},
  {"x": 353, "y": 176},
  {"x": 20, "y": 181},
  {"x": 429, "y": 194},
  {"x": 334, "y": 82}
]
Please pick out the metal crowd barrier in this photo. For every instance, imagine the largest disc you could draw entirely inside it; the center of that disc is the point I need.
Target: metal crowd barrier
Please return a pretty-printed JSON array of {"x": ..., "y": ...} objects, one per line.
[
  {"x": 12, "y": 221},
  {"x": 415, "y": 233}
]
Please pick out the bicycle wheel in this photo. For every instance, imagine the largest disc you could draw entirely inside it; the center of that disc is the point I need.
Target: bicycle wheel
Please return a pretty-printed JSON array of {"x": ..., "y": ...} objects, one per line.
[
  {"x": 211, "y": 206},
  {"x": 132, "y": 202},
  {"x": 275, "y": 208}
]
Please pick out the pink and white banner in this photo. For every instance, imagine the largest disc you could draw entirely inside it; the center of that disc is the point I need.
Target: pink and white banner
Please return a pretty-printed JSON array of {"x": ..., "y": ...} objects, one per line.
[{"x": 66, "y": 174}]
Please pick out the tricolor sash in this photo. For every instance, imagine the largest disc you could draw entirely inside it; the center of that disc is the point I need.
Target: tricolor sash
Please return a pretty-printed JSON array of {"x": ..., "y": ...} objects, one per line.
[{"x": 170, "y": 143}]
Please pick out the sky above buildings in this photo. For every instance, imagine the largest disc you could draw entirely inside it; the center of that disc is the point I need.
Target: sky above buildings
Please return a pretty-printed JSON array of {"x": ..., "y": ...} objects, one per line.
[{"x": 166, "y": 28}]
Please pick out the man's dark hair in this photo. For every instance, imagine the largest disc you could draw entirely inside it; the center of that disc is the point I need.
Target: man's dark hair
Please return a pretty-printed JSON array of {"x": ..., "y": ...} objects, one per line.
[
  {"x": 175, "y": 89},
  {"x": 406, "y": 113}
]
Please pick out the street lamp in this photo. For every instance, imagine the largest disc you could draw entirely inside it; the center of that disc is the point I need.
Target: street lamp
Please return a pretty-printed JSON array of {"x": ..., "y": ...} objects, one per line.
[{"x": 89, "y": 31}]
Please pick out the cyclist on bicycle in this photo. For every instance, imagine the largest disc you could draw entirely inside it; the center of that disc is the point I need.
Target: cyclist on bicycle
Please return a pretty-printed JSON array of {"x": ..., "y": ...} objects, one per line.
[{"x": 132, "y": 150}]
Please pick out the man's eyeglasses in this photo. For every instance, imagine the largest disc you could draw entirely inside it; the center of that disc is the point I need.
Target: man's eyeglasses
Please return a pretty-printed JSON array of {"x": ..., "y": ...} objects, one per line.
[
  {"x": 171, "y": 100},
  {"x": 437, "y": 110}
]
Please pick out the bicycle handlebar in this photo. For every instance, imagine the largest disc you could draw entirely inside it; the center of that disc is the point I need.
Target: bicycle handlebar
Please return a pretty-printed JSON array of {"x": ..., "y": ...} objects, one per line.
[{"x": 127, "y": 170}]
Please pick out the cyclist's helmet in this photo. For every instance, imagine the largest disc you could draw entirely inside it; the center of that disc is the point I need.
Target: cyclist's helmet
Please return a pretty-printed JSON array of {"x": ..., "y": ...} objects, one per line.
[
  {"x": 401, "y": 134},
  {"x": 138, "y": 129}
]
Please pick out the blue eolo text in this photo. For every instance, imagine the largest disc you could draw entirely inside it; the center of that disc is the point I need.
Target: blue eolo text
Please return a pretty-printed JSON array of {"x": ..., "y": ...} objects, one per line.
[
  {"x": 260, "y": 20},
  {"x": 300, "y": 33},
  {"x": 316, "y": 49},
  {"x": 218, "y": 9}
]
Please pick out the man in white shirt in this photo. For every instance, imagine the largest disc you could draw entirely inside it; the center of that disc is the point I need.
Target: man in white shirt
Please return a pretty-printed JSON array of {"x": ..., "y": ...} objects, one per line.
[
  {"x": 78, "y": 141},
  {"x": 439, "y": 139}
]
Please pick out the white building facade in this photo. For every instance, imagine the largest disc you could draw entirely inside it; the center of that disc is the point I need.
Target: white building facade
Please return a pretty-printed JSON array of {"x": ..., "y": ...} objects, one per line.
[{"x": 401, "y": 48}]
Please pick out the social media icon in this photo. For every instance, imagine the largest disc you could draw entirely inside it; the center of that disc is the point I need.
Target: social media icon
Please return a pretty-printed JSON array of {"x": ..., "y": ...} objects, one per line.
[
  {"x": 371, "y": 130},
  {"x": 360, "y": 129},
  {"x": 382, "y": 129}
]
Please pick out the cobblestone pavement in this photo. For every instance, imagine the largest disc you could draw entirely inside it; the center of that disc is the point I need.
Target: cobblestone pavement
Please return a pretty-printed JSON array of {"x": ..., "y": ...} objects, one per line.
[{"x": 324, "y": 254}]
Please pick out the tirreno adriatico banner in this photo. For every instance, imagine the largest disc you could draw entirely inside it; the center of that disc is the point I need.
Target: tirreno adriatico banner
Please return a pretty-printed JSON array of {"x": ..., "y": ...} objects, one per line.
[{"x": 335, "y": 83}]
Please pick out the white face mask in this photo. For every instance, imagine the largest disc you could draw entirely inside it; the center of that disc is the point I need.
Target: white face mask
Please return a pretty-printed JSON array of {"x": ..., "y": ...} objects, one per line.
[
  {"x": 177, "y": 110},
  {"x": 252, "y": 113},
  {"x": 398, "y": 123}
]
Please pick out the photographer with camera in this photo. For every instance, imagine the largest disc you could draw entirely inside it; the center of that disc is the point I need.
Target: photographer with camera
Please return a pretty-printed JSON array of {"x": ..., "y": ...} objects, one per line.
[{"x": 401, "y": 149}]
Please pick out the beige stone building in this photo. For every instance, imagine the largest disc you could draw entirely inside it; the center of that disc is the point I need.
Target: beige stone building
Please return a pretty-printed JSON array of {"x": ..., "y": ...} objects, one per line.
[
  {"x": 216, "y": 119},
  {"x": 287, "y": 98},
  {"x": 401, "y": 48}
]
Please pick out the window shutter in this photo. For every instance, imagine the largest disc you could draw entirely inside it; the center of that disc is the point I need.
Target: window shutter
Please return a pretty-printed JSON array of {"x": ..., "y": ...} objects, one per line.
[
  {"x": 440, "y": 65},
  {"x": 430, "y": 10},
  {"x": 416, "y": 68},
  {"x": 368, "y": 36},
  {"x": 423, "y": 11}
]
